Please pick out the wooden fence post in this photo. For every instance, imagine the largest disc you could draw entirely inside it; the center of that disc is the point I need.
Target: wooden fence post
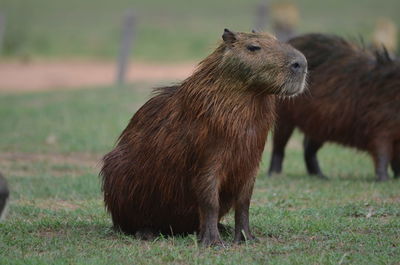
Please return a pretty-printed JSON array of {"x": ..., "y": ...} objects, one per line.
[
  {"x": 127, "y": 37},
  {"x": 2, "y": 30}
]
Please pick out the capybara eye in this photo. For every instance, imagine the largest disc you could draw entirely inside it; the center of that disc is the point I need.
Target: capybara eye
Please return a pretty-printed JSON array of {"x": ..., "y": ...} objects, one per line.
[{"x": 253, "y": 48}]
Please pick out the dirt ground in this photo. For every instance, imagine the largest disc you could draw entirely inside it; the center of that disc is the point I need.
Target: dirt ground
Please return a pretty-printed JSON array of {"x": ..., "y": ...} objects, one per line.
[{"x": 51, "y": 75}]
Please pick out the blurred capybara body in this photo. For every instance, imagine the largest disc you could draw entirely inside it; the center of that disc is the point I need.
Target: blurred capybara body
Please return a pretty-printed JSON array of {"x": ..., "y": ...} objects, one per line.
[
  {"x": 353, "y": 100},
  {"x": 4, "y": 194},
  {"x": 191, "y": 153}
]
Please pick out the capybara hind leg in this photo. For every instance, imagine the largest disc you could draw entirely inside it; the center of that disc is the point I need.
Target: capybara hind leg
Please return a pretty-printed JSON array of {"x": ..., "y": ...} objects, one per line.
[
  {"x": 396, "y": 167},
  {"x": 311, "y": 148},
  {"x": 395, "y": 163},
  {"x": 225, "y": 229},
  {"x": 382, "y": 155},
  {"x": 242, "y": 227},
  {"x": 146, "y": 234},
  {"x": 207, "y": 196},
  {"x": 282, "y": 133}
]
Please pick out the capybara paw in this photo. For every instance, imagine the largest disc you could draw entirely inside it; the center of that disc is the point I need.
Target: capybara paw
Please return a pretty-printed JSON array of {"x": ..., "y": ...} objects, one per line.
[
  {"x": 382, "y": 179},
  {"x": 146, "y": 234},
  {"x": 272, "y": 174},
  {"x": 208, "y": 241},
  {"x": 241, "y": 238},
  {"x": 317, "y": 174},
  {"x": 322, "y": 176}
]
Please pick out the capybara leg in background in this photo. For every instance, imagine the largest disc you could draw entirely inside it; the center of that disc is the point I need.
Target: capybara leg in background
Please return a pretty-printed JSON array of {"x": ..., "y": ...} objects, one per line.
[
  {"x": 395, "y": 163},
  {"x": 283, "y": 131},
  {"x": 311, "y": 148},
  {"x": 382, "y": 156}
]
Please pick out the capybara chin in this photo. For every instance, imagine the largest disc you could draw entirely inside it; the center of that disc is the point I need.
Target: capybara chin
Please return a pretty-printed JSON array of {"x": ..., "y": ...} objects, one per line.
[
  {"x": 192, "y": 152},
  {"x": 353, "y": 100}
]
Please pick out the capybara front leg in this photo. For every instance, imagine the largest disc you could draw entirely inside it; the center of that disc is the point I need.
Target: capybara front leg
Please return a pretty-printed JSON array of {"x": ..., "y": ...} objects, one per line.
[
  {"x": 311, "y": 148},
  {"x": 242, "y": 227},
  {"x": 382, "y": 155},
  {"x": 282, "y": 133},
  {"x": 395, "y": 163},
  {"x": 209, "y": 234},
  {"x": 207, "y": 196}
]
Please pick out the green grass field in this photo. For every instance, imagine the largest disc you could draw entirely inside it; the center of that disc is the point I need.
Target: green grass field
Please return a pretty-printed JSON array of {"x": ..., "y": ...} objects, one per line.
[
  {"x": 56, "y": 214},
  {"x": 167, "y": 30}
]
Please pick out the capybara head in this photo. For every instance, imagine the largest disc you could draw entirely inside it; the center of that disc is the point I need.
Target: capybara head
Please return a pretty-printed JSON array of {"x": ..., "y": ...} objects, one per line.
[{"x": 261, "y": 61}]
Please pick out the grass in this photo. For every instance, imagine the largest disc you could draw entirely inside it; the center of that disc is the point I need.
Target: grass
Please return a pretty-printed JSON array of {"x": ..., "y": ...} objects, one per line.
[
  {"x": 56, "y": 213},
  {"x": 167, "y": 30}
]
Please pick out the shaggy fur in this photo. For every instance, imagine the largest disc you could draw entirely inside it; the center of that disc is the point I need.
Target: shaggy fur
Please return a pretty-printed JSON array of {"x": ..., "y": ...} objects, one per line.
[
  {"x": 353, "y": 100},
  {"x": 191, "y": 153}
]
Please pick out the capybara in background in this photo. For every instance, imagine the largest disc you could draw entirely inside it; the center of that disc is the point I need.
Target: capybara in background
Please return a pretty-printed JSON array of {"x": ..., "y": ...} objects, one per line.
[
  {"x": 192, "y": 152},
  {"x": 385, "y": 34},
  {"x": 285, "y": 20},
  {"x": 353, "y": 100},
  {"x": 4, "y": 193}
]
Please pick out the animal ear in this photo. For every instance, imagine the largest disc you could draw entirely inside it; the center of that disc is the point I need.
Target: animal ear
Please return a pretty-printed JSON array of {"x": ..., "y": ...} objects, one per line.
[{"x": 229, "y": 37}]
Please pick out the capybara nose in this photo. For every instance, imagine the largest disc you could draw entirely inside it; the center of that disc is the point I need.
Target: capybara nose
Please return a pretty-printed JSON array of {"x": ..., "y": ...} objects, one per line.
[{"x": 298, "y": 66}]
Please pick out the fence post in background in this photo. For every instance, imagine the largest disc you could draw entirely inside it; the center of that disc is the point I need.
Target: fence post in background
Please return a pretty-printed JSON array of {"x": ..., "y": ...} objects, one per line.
[
  {"x": 262, "y": 13},
  {"x": 2, "y": 30},
  {"x": 127, "y": 37}
]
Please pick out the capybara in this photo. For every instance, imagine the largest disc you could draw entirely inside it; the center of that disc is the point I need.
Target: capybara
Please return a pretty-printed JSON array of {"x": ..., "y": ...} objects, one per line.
[
  {"x": 4, "y": 193},
  {"x": 353, "y": 100},
  {"x": 192, "y": 152}
]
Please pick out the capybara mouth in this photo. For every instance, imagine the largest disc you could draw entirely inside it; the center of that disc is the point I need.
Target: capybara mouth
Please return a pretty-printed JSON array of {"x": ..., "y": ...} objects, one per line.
[{"x": 295, "y": 87}]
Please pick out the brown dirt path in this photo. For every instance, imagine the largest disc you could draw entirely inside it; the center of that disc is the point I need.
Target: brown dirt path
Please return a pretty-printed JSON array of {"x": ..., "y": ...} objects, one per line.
[{"x": 51, "y": 75}]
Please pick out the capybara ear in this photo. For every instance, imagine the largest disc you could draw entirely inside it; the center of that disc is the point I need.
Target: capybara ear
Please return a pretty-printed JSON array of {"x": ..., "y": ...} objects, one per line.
[{"x": 229, "y": 37}]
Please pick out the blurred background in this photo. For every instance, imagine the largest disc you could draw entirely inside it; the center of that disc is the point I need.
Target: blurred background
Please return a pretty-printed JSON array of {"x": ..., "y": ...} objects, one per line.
[{"x": 65, "y": 36}]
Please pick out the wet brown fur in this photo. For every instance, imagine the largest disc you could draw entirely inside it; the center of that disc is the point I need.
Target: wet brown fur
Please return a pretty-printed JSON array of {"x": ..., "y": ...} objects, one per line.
[
  {"x": 353, "y": 100},
  {"x": 193, "y": 150}
]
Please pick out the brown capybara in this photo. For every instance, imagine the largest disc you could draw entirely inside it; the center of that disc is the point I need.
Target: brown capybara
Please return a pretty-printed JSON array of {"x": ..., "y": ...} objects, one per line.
[
  {"x": 4, "y": 194},
  {"x": 353, "y": 100},
  {"x": 192, "y": 152},
  {"x": 385, "y": 34}
]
